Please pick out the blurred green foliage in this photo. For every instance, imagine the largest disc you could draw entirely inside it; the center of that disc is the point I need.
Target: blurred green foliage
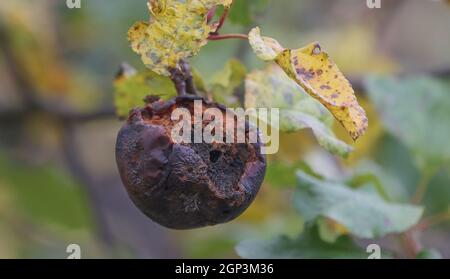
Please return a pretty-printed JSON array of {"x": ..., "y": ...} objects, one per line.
[
  {"x": 413, "y": 110},
  {"x": 244, "y": 12},
  {"x": 66, "y": 206},
  {"x": 72, "y": 56}
]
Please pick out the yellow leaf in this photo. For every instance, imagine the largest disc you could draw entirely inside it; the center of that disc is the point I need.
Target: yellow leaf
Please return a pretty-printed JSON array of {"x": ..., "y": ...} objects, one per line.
[
  {"x": 177, "y": 30},
  {"x": 318, "y": 75}
]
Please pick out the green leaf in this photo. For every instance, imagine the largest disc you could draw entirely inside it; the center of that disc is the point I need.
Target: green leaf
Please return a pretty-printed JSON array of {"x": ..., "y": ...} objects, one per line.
[
  {"x": 313, "y": 69},
  {"x": 131, "y": 88},
  {"x": 387, "y": 185},
  {"x": 224, "y": 83},
  {"x": 416, "y": 111},
  {"x": 400, "y": 176},
  {"x": 364, "y": 214},
  {"x": 243, "y": 12},
  {"x": 437, "y": 198},
  {"x": 271, "y": 88},
  {"x": 307, "y": 246},
  {"x": 296, "y": 120},
  {"x": 396, "y": 168}
]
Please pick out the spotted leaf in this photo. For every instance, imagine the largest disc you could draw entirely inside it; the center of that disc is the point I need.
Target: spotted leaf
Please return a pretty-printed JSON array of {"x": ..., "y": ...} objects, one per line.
[
  {"x": 313, "y": 69},
  {"x": 177, "y": 30}
]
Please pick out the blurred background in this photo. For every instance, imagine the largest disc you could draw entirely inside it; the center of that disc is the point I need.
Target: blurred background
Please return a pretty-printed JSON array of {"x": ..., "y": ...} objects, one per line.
[{"x": 58, "y": 178}]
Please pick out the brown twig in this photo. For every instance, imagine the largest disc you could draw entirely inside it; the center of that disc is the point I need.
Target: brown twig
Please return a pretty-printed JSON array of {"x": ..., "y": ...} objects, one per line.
[
  {"x": 211, "y": 14},
  {"x": 190, "y": 86},
  {"x": 177, "y": 77},
  {"x": 216, "y": 37},
  {"x": 182, "y": 79},
  {"x": 222, "y": 20}
]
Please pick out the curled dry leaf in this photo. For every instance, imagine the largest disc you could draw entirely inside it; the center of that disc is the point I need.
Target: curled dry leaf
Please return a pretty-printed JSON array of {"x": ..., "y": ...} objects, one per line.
[
  {"x": 318, "y": 75},
  {"x": 265, "y": 48},
  {"x": 177, "y": 30}
]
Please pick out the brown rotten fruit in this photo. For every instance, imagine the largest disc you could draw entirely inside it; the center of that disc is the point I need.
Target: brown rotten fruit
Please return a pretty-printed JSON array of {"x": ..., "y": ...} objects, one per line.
[{"x": 185, "y": 186}]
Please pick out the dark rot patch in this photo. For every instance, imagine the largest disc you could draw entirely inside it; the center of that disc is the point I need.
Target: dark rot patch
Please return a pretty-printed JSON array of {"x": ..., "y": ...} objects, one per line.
[{"x": 185, "y": 186}]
